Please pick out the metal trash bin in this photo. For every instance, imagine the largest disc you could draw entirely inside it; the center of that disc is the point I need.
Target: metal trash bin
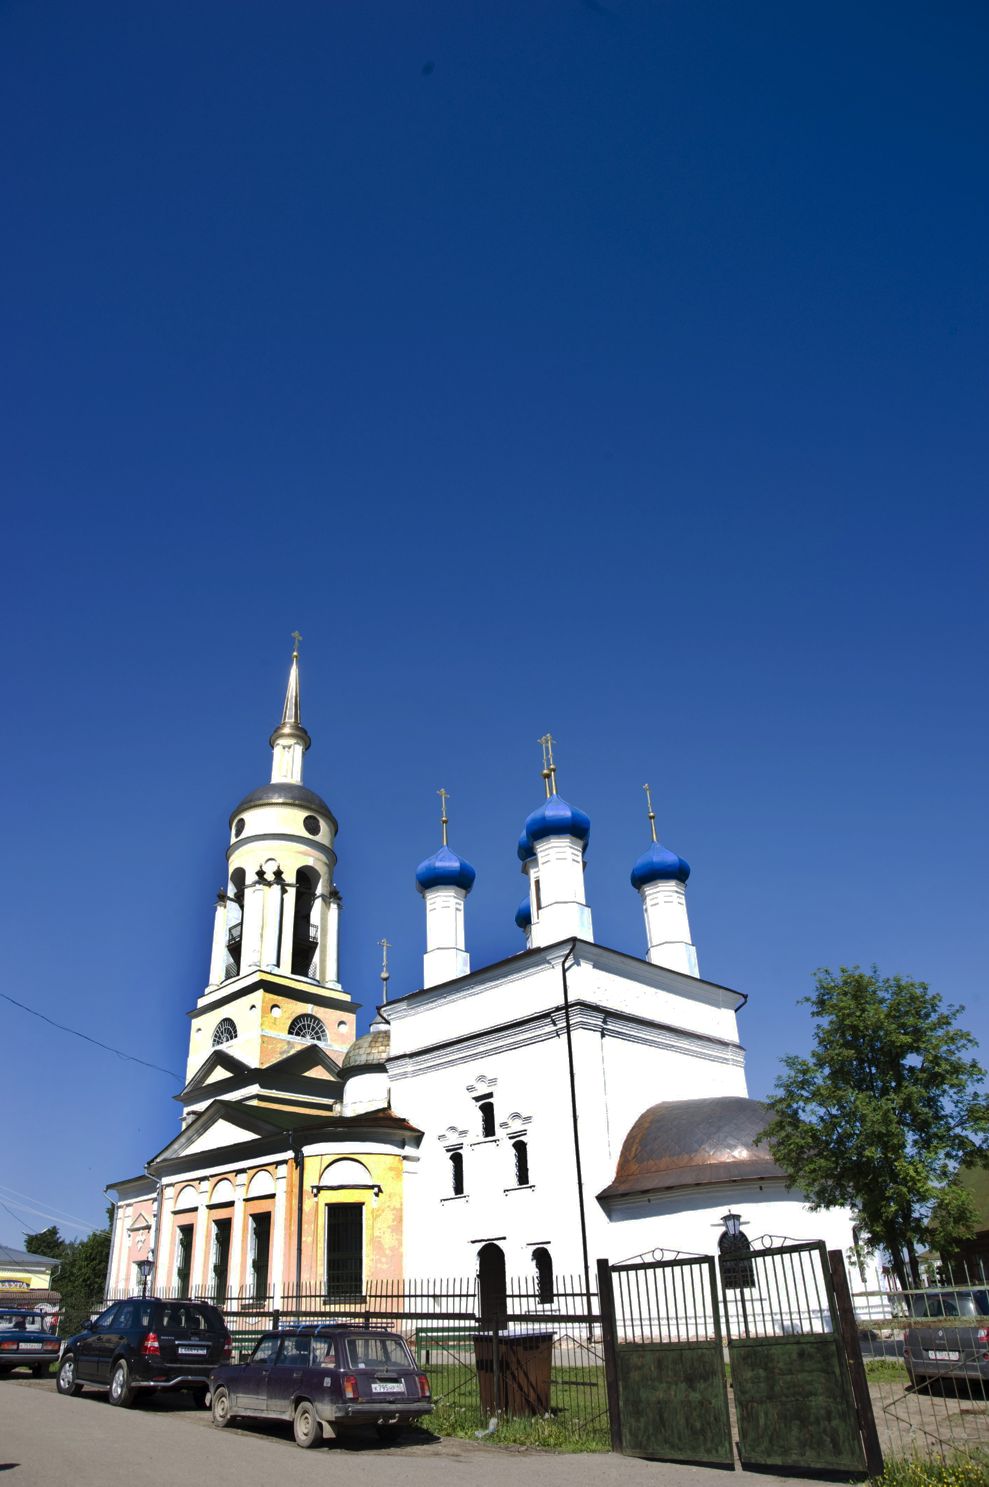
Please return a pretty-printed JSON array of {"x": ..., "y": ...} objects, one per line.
[{"x": 525, "y": 1367}]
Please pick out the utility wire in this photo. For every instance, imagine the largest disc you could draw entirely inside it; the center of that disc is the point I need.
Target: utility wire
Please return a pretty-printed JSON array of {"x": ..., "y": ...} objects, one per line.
[
  {"x": 15, "y": 1193},
  {"x": 85, "y": 1036}
]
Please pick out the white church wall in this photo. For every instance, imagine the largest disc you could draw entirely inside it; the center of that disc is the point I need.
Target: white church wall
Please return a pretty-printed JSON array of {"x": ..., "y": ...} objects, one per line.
[{"x": 690, "y": 1219}]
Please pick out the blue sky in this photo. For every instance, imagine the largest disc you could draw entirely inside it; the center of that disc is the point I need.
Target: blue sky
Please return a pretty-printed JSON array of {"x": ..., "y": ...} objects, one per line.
[{"x": 614, "y": 368}]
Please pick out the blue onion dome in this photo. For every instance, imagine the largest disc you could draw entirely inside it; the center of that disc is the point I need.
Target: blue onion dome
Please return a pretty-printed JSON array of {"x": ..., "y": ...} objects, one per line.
[
  {"x": 555, "y": 817},
  {"x": 523, "y": 914},
  {"x": 445, "y": 870},
  {"x": 525, "y": 847},
  {"x": 659, "y": 865}
]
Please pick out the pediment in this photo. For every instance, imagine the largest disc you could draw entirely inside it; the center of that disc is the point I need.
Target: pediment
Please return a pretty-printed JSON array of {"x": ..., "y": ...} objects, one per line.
[
  {"x": 312, "y": 1062},
  {"x": 220, "y": 1124},
  {"x": 220, "y": 1065}
]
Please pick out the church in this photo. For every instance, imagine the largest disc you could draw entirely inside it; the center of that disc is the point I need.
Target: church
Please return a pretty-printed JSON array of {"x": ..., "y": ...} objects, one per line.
[{"x": 569, "y": 1102}]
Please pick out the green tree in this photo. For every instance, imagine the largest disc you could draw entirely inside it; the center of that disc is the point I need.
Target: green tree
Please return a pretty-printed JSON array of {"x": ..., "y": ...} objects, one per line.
[
  {"x": 48, "y": 1242},
  {"x": 883, "y": 1112},
  {"x": 81, "y": 1278}
]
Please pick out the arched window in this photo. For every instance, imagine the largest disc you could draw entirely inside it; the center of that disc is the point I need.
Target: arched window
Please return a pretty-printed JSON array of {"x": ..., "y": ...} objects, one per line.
[
  {"x": 456, "y": 1173},
  {"x": 544, "y": 1273},
  {"x": 305, "y": 936},
  {"x": 492, "y": 1284},
  {"x": 521, "y": 1150},
  {"x": 308, "y": 1027},
  {"x": 224, "y": 1032},
  {"x": 486, "y": 1107}
]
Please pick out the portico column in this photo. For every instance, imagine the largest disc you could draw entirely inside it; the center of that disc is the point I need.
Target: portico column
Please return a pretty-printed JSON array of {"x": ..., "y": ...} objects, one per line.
[
  {"x": 272, "y": 924},
  {"x": 218, "y": 957},
  {"x": 236, "y": 1283},
  {"x": 278, "y": 1247},
  {"x": 199, "y": 1250}
]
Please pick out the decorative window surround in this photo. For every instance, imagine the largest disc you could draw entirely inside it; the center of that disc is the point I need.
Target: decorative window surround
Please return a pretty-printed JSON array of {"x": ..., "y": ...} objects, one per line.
[
  {"x": 525, "y": 1187},
  {"x": 456, "y": 1198}
]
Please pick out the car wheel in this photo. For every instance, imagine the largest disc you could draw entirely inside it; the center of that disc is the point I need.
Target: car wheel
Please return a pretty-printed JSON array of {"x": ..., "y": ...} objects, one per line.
[
  {"x": 121, "y": 1389},
  {"x": 66, "y": 1382},
  {"x": 40, "y": 1370},
  {"x": 220, "y": 1406},
  {"x": 308, "y": 1431},
  {"x": 200, "y": 1398}
]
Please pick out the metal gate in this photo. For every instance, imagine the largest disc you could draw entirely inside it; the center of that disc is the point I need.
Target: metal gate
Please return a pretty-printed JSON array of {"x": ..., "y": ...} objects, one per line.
[
  {"x": 678, "y": 1327},
  {"x": 669, "y": 1361},
  {"x": 793, "y": 1398}
]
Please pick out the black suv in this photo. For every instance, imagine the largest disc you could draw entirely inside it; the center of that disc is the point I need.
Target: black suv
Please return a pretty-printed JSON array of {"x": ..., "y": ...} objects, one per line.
[
  {"x": 325, "y": 1378},
  {"x": 146, "y": 1344}
]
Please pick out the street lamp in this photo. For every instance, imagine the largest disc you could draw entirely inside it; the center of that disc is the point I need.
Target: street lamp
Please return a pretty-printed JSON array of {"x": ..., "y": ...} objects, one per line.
[
  {"x": 145, "y": 1268},
  {"x": 732, "y": 1223}
]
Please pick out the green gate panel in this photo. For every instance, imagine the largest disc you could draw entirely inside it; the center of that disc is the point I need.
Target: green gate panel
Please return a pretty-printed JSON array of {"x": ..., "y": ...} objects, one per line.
[
  {"x": 794, "y": 1405},
  {"x": 674, "y": 1401}
]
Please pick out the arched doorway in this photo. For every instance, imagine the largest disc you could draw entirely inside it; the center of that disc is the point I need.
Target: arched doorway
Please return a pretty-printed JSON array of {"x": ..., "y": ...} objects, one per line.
[{"x": 492, "y": 1284}]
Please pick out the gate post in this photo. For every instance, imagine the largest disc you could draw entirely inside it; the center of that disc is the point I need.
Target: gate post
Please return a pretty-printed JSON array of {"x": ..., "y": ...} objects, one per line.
[
  {"x": 856, "y": 1368},
  {"x": 606, "y": 1303}
]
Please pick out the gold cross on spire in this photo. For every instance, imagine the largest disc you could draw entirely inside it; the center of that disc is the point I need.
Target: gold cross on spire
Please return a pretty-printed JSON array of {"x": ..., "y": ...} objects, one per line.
[
  {"x": 385, "y": 973},
  {"x": 444, "y": 818},
  {"x": 652, "y": 813},
  {"x": 549, "y": 768},
  {"x": 295, "y": 649}
]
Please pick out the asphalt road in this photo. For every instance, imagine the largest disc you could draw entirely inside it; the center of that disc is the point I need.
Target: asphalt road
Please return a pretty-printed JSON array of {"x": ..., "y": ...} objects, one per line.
[{"x": 45, "y": 1440}]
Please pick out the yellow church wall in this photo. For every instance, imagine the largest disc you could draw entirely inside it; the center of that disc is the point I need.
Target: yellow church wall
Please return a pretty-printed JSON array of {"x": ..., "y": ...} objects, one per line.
[{"x": 382, "y": 1215}]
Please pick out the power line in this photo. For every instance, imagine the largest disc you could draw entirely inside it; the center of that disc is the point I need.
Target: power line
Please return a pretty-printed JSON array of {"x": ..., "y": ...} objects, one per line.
[
  {"x": 33, "y": 1205},
  {"x": 85, "y": 1036}
]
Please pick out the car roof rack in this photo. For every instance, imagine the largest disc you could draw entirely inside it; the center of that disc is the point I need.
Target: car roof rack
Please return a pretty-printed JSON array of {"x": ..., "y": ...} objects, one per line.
[{"x": 318, "y": 1327}]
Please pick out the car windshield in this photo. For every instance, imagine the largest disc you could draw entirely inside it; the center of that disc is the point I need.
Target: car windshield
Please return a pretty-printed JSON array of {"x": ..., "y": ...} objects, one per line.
[
  {"x": 22, "y": 1321},
  {"x": 952, "y": 1304},
  {"x": 378, "y": 1352}
]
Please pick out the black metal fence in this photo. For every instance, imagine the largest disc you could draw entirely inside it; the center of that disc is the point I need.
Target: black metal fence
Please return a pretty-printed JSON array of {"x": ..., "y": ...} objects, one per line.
[
  {"x": 474, "y": 1362},
  {"x": 926, "y": 1358}
]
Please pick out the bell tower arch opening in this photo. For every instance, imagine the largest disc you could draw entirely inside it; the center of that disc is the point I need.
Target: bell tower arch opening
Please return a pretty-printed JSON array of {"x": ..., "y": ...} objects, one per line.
[{"x": 305, "y": 925}]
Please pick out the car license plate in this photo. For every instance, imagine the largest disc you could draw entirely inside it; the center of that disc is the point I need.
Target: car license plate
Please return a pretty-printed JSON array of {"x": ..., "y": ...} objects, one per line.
[
  {"x": 943, "y": 1357},
  {"x": 192, "y": 1352},
  {"x": 387, "y": 1389},
  {"x": 30, "y": 1347}
]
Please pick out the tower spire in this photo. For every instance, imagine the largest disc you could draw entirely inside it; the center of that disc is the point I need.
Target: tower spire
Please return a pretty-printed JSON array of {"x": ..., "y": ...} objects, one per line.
[
  {"x": 290, "y": 740},
  {"x": 652, "y": 813},
  {"x": 549, "y": 768},
  {"x": 444, "y": 818},
  {"x": 385, "y": 972}
]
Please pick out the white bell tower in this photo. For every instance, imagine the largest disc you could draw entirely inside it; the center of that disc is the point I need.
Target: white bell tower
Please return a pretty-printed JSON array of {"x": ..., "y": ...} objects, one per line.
[
  {"x": 660, "y": 877},
  {"x": 274, "y": 978},
  {"x": 551, "y": 850},
  {"x": 444, "y": 880}
]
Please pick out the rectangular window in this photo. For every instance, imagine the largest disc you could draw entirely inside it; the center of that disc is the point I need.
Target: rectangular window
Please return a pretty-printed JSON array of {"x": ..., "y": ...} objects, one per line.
[
  {"x": 183, "y": 1257},
  {"x": 537, "y": 894},
  {"x": 260, "y": 1251},
  {"x": 344, "y": 1249},
  {"x": 486, "y": 1107},
  {"x": 221, "y": 1257}
]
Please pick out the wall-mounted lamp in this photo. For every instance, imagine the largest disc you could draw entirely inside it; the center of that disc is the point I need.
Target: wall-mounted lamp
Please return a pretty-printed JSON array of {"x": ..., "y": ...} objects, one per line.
[{"x": 145, "y": 1268}]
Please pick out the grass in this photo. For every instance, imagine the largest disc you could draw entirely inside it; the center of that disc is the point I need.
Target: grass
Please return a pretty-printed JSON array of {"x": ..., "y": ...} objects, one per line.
[
  {"x": 922, "y": 1471},
  {"x": 578, "y": 1419},
  {"x": 885, "y": 1370}
]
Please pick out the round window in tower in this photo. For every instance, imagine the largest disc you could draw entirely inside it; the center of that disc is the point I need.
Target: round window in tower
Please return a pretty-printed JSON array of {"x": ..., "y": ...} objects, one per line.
[
  {"x": 224, "y": 1032},
  {"x": 311, "y": 823},
  {"x": 309, "y": 1027},
  {"x": 239, "y": 825}
]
